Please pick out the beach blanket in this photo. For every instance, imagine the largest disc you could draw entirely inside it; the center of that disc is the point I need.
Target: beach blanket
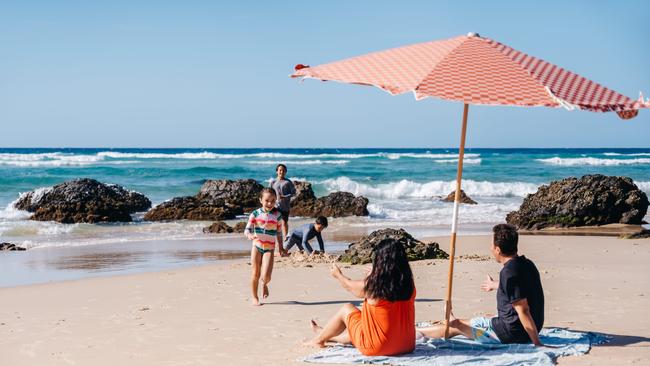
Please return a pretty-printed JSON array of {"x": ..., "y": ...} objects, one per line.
[{"x": 463, "y": 351}]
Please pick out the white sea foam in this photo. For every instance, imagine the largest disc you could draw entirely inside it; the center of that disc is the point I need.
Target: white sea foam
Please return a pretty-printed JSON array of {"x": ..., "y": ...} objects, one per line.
[
  {"x": 302, "y": 162},
  {"x": 620, "y": 154},
  {"x": 395, "y": 156},
  {"x": 275, "y": 155},
  {"x": 409, "y": 189},
  {"x": 465, "y": 161},
  {"x": 593, "y": 161},
  {"x": 644, "y": 186},
  {"x": 441, "y": 213},
  {"x": 54, "y": 159}
]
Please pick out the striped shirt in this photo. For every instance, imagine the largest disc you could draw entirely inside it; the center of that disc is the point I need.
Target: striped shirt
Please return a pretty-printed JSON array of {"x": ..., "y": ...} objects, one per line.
[{"x": 265, "y": 226}]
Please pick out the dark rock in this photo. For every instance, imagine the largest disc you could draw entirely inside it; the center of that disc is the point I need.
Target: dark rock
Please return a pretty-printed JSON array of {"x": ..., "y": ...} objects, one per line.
[
  {"x": 218, "y": 227},
  {"x": 222, "y": 199},
  {"x": 244, "y": 192},
  {"x": 304, "y": 193},
  {"x": 239, "y": 227},
  {"x": 463, "y": 198},
  {"x": 83, "y": 200},
  {"x": 336, "y": 204},
  {"x": 10, "y": 246},
  {"x": 192, "y": 208},
  {"x": 360, "y": 252},
  {"x": 590, "y": 200}
]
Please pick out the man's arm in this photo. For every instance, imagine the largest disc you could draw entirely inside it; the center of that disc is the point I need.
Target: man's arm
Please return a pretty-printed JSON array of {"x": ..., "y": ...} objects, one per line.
[
  {"x": 355, "y": 287},
  {"x": 522, "y": 309}
]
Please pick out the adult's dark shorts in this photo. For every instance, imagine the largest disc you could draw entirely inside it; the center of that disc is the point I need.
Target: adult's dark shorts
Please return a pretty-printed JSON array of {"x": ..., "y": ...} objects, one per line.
[{"x": 285, "y": 215}]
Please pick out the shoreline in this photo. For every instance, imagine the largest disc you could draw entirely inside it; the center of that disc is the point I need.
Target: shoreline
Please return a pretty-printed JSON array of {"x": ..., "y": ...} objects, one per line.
[{"x": 200, "y": 314}]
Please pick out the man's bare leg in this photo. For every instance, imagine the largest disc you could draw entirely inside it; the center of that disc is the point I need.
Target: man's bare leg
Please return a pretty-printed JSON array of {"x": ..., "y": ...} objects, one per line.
[
  {"x": 334, "y": 327},
  {"x": 456, "y": 327}
]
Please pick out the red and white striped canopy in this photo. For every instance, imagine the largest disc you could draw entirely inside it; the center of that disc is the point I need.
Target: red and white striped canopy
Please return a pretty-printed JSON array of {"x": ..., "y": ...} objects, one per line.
[{"x": 474, "y": 70}]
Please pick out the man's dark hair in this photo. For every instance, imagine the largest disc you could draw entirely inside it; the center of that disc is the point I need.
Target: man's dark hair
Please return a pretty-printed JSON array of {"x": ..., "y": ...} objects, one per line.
[
  {"x": 281, "y": 165},
  {"x": 506, "y": 238},
  {"x": 391, "y": 277},
  {"x": 321, "y": 220}
]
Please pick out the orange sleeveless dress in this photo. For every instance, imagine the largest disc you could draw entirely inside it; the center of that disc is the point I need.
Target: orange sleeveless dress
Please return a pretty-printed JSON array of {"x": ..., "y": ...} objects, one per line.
[{"x": 384, "y": 329}]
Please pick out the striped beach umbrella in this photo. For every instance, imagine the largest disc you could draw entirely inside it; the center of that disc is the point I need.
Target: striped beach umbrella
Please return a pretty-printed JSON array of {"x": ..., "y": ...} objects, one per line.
[{"x": 473, "y": 70}]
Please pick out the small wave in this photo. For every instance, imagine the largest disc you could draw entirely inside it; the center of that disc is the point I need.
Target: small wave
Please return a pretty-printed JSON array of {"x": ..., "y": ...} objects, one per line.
[
  {"x": 395, "y": 156},
  {"x": 593, "y": 161},
  {"x": 620, "y": 154},
  {"x": 409, "y": 189},
  {"x": 205, "y": 155},
  {"x": 465, "y": 161},
  {"x": 47, "y": 159},
  {"x": 302, "y": 162}
]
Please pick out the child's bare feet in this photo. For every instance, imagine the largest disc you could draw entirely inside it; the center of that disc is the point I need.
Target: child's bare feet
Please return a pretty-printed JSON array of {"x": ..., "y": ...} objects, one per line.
[
  {"x": 255, "y": 301},
  {"x": 315, "y": 327},
  {"x": 265, "y": 291}
]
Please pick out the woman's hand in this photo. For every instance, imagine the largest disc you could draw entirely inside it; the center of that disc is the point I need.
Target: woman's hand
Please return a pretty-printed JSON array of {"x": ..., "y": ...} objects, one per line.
[{"x": 335, "y": 271}]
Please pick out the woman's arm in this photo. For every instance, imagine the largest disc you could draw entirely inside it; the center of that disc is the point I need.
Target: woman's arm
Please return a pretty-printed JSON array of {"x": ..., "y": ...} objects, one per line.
[{"x": 355, "y": 287}]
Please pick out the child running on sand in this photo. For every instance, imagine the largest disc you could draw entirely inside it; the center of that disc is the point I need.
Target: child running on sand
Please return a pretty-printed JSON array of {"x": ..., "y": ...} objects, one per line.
[{"x": 264, "y": 228}]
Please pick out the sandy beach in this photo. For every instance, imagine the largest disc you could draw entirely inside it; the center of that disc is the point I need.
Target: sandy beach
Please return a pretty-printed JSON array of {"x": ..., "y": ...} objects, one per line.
[{"x": 200, "y": 315}]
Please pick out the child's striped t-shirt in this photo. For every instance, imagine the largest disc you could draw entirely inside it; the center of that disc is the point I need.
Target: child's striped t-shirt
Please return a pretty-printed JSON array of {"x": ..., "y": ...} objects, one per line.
[{"x": 265, "y": 225}]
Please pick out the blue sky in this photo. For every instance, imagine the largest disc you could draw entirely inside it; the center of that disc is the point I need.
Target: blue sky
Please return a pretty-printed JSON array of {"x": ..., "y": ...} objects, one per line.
[{"x": 211, "y": 74}]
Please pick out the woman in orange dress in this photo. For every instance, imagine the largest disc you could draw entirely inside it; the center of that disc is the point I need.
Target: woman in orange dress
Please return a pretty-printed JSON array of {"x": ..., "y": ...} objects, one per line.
[{"x": 385, "y": 324}]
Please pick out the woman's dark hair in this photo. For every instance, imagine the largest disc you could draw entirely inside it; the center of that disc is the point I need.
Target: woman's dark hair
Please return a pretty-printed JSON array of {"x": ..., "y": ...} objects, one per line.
[
  {"x": 391, "y": 277},
  {"x": 268, "y": 190}
]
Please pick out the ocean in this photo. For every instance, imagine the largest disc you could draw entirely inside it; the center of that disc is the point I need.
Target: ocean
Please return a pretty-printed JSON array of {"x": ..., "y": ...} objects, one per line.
[{"x": 402, "y": 185}]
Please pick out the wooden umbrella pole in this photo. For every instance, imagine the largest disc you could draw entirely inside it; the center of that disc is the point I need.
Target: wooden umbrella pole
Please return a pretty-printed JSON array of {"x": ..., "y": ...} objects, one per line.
[{"x": 454, "y": 224}]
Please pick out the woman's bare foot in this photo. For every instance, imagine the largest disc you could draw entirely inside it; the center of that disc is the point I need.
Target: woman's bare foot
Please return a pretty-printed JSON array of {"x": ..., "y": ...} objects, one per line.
[
  {"x": 255, "y": 301},
  {"x": 314, "y": 342},
  {"x": 265, "y": 291},
  {"x": 315, "y": 327}
]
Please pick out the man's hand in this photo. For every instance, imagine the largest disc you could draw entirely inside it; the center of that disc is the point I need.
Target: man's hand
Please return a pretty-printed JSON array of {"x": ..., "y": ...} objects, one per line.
[
  {"x": 489, "y": 284},
  {"x": 335, "y": 271}
]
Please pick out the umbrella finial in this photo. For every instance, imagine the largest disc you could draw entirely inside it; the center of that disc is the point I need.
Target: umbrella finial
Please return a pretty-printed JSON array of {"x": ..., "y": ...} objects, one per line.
[{"x": 473, "y": 34}]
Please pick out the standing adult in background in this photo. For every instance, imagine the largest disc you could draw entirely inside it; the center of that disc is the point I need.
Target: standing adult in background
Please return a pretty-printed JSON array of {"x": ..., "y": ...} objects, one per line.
[{"x": 284, "y": 189}]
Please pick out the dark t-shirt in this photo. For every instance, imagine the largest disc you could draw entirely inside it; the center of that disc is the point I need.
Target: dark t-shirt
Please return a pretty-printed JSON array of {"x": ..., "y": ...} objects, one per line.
[{"x": 519, "y": 279}]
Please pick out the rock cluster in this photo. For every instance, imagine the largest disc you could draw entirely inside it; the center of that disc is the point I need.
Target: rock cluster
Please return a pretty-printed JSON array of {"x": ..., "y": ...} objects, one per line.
[
  {"x": 83, "y": 200},
  {"x": 10, "y": 246},
  {"x": 336, "y": 204},
  {"x": 221, "y": 227},
  {"x": 590, "y": 200},
  {"x": 217, "y": 200},
  {"x": 360, "y": 251}
]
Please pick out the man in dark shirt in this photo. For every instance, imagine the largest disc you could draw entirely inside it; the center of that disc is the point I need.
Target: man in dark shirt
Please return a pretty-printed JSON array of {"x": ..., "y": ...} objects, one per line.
[
  {"x": 302, "y": 235},
  {"x": 520, "y": 299}
]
